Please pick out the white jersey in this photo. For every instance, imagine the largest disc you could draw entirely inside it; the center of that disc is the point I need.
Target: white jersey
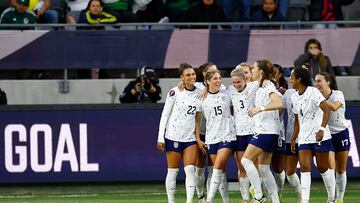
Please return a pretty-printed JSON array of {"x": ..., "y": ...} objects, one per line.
[
  {"x": 242, "y": 102},
  {"x": 337, "y": 121},
  {"x": 201, "y": 86},
  {"x": 266, "y": 122},
  {"x": 286, "y": 100},
  {"x": 219, "y": 123},
  {"x": 310, "y": 115},
  {"x": 178, "y": 117}
]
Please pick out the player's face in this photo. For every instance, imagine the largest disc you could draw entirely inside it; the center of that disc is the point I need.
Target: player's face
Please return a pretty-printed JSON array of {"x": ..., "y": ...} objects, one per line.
[
  {"x": 238, "y": 82},
  {"x": 95, "y": 8},
  {"x": 256, "y": 72},
  {"x": 247, "y": 73},
  {"x": 321, "y": 83},
  {"x": 277, "y": 75},
  {"x": 215, "y": 82},
  {"x": 188, "y": 76},
  {"x": 295, "y": 82}
]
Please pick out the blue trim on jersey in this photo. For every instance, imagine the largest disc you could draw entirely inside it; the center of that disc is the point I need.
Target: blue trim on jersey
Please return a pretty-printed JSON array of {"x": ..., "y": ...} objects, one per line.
[
  {"x": 323, "y": 146},
  {"x": 341, "y": 141},
  {"x": 175, "y": 146}
]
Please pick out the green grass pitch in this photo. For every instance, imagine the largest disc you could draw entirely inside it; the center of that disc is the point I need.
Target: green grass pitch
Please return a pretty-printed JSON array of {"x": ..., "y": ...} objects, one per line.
[{"x": 142, "y": 192}]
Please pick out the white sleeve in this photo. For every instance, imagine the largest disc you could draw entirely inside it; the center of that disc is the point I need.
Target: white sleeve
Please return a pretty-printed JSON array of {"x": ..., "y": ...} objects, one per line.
[
  {"x": 293, "y": 104},
  {"x": 339, "y": 96},
  {"x": 169, "y": 103},
  {"x": 270, "y": 88},
  {"x": 317, "y": 96},
  {"x": 284, "y": 99}
]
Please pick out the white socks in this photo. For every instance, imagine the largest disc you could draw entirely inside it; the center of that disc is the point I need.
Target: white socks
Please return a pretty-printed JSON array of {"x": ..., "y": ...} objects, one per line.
[
  {"x": 217, "y": 175},
  {"x": 305, "y": 186},
  {"x": 341, "y": 180},
  {"x": 224, "y": 188},
  {"x": 170, "y": 184},
  {"x": 269, "y": 182},
  {"x": 190, "y": 182},
  {"x": 253, "y": 176},
  {"x": 244, "y": 188},
  {"x": 280, "y": 181},
  {"x": 295, "y": 183},
  {"x": 329, "y": 182},
  {"x": 200, "y": 181},
  {"x": 208, "y": 180}
]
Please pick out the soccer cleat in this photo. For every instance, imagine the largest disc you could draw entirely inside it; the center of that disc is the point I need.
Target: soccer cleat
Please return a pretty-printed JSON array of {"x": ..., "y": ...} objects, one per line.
[
  {"x": 251, "y": 192},
  {"x": 339, "y": 201},
  {"x": 201, "y": 199},
  {"x": 261, "y": 200}
]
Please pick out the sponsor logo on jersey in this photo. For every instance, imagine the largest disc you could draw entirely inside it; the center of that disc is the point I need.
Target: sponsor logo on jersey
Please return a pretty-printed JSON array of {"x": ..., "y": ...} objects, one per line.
[{"x": 171, "y": 93}]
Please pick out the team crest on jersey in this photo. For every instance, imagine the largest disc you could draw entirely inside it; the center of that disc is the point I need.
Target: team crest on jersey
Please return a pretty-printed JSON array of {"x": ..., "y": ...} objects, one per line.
[
  {"x": 171, "y": 93},
  {"x": 176, "y": 145}
]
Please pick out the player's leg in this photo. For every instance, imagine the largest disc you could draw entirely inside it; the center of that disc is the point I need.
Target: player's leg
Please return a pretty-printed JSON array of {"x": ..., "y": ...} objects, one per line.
[
  {"x": 223, "y": 154},
  {"x": 242, "y": 178},
  {"x": 251, "y": 154},
  {"x": 189, "y": 159},
  {"x": 305, "y": 160},
  {"x": 200, "y": 174},
  {"x": 278, "y": 164},
  {"x": 173, "y": 160},
  {"x": 323, "y": 164},
  {"x": 268, "y": 178},
  {"x": 291, "y": 161}
]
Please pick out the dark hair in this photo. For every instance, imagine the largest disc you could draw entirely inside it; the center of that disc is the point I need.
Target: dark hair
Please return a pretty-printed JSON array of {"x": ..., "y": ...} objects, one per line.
[
  {"x": 184, "y": 66},
  {"x": 274, "y": 1},
  {"x": 88, "y": 6},
  {"x": 210, "y": 74},
  {"x": 329, "y": 78},
  {"x": 268, "y": 71},
  {"x": 202, "y": 68},
  {"x": 282, "y": 81},
  {"x": 304, "y": 74},
  {"x": 322, "y": 57}
]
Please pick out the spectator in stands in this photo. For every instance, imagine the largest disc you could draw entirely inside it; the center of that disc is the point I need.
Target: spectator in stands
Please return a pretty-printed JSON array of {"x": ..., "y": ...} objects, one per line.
[
  {"x": 268, "y": 13},
  {"x": 149, "y": 10},
  {"x": 314, "y": 56},
  {"x": 18, "y": 15},
  {"x": 120, "y": 9},
  {"x": 177, "y": 9},
  {"x": 231, "y": 7},
  {"x": 327, "y": 10},
  {"x": 42, "y": 9},
  {"x": 145, "y": 89},
  {"x": 94, "y": 14},
  {"x": 76, "y": 6},
  {"x": 205, "y": 11}
]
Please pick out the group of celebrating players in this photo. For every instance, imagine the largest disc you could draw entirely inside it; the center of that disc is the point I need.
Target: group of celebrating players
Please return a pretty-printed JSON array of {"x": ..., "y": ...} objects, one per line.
[{"x": 204, "y": 119}]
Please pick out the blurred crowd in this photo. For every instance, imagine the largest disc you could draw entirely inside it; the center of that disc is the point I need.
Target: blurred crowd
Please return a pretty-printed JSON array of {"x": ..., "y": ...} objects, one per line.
[{"x": 123, "y": 11}]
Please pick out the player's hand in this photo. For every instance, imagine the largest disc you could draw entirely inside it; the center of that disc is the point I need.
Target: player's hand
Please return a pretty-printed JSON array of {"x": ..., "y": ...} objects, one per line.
[
  {"x": 293, "y": 144},
  {"x": 253, "y": 111},
  {"x": 202, "y": 146},
  {"x": 319, "y": 135},
  {"x": 160, "y": 146},
  {"x": 202, "y": 95},
  {"x": 181, "y": 86}
]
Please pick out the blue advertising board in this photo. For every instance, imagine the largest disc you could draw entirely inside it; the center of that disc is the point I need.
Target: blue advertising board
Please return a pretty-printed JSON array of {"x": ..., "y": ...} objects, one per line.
[{"x": 100, "y": 144}]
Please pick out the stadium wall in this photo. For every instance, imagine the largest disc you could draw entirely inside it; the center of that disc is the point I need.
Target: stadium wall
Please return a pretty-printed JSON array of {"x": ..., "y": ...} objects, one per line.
[
  {"x": 98, "y": 143},
  {"x": 107, "y": 91}
]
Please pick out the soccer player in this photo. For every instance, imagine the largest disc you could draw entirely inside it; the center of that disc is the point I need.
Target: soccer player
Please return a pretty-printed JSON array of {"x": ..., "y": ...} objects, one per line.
[
  {"x": 220, "y": 135},
  {"x": 242, "y": 96},
  {"x": 291, "y": 159},
  {"x": 311, "y": 130},
  {"x": 266, "y": 131},
  {"x": 200, "y": 161},
  {"x": 246, "y": 67},
  {"x": 177, "y": 133},
  {"x": 338, "y": 129}
]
